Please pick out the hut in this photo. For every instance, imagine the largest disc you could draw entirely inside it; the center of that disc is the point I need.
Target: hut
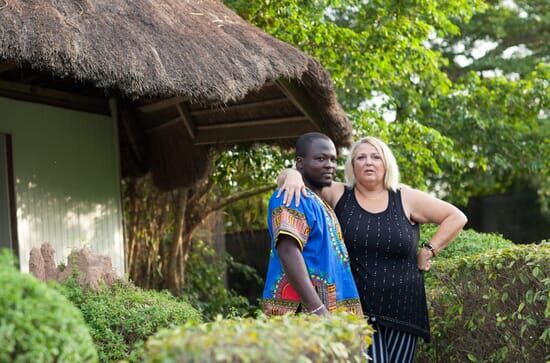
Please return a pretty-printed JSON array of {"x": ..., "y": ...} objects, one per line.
[{"x": 95, "y": 91}]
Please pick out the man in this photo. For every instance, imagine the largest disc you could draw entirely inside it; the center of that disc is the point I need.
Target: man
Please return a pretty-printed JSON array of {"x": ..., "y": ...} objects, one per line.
[{"x": 309, "y": 266}]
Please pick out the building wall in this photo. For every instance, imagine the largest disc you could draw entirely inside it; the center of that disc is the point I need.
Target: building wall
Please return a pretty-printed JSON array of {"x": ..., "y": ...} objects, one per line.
[{"x": 67, "y": 179}]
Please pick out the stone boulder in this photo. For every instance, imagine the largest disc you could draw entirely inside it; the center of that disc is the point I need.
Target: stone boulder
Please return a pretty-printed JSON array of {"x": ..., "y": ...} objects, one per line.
[{"x": 90, "y": 270}]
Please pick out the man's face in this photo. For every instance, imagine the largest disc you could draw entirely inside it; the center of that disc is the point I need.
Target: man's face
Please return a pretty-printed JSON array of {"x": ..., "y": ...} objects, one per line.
[{"x": 319, "y": 164}]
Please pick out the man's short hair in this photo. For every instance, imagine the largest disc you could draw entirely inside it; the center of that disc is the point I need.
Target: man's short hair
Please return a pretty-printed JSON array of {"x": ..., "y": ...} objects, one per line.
[{"x": 304, "y": 142}]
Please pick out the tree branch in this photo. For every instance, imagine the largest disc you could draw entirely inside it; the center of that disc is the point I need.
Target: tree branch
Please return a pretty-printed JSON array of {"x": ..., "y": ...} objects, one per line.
[{"x": 224, "y": 202}]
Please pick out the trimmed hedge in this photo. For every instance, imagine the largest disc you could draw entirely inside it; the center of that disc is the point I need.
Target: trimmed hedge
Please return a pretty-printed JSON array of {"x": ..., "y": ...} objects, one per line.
[
  {"x": 491, "y": 307},
  {"x": 290, "y": 338},
  {"x": 467, "y": 243},
  {"x": 37, "y": 323},
  {"x": 122, "y": 317}
]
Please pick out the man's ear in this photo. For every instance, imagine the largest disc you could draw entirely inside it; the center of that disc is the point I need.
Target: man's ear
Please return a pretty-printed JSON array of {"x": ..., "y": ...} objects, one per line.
[{"x": 299, "y": 163}]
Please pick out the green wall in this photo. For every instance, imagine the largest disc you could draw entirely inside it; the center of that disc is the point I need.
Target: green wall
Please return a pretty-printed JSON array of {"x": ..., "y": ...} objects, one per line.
[{"x": 67, "y": 179}]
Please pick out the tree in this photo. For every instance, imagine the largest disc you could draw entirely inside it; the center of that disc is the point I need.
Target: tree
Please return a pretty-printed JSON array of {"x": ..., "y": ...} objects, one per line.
[
  {"x": 454, "y": 132},
  {"x": 497, "y": 108},
  {"x": 514, "y": 34},
  {"x": 160, "y": 225}
]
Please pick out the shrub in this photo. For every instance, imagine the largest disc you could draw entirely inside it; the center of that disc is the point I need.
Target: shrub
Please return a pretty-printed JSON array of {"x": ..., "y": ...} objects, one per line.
[
  {"x": 205, "y": 286},
  {"x": 122, "y": 317},
  {"x": 491, "y": 307},
  {"x": 290, "y": 338},
  {"x": 468, "y": 242},
  {"x": 37, "y": 324}
]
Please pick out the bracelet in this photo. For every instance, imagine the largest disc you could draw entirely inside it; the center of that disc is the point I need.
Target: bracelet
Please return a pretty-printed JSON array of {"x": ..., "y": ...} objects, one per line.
[
  {"x": 316, "y": 309},
  {"x": 430, "y": 248}
]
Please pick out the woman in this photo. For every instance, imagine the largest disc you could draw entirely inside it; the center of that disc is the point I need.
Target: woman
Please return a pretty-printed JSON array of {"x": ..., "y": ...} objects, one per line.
[{"x": 380, "y": 222}]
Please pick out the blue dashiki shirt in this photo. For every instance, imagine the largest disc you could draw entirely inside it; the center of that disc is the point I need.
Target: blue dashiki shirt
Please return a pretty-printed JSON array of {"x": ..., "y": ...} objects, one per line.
[{"x": 314, "y": 226}]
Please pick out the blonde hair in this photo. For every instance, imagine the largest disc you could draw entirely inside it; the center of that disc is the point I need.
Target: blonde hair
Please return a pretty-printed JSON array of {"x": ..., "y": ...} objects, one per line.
[{"x": 391, "y": 177}]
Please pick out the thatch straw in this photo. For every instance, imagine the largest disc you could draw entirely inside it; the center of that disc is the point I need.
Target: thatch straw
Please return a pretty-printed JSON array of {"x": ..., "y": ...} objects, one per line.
[
  {"x": 154, "y": 49},
  {"x": 162, "y": 48}
]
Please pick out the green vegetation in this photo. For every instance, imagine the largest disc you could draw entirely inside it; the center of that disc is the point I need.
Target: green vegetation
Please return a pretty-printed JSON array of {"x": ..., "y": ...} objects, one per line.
[
  {"x": 491, "y": 307},
  {"x": 462, "y": 124},
  {"x": 290, "y": 338},
  {"x": 464, "y": 82},
  {"x": 122, "y": 317},
  {"x": 205, "y": 286},
  {"x": 468, "y": 242},
  {"x": 37, "y": 323}
]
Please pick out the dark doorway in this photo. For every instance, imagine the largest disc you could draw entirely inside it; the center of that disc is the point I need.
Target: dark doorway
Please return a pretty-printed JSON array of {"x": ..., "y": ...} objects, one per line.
[{"x": 7, "y": 209}]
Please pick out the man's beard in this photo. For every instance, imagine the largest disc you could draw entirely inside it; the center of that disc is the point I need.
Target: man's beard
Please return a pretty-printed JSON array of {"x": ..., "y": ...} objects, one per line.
[{"x": 318, "y": 183}]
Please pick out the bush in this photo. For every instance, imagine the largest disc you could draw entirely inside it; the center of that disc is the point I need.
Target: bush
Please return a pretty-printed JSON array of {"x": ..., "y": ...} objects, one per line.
[
  {"x": 205, "y": 286},
  {"x": 122, "y": 317},
  {"x": 290, "y": 338},
  {"x": 491, "y": 307},
  {"x": 468, "y": 242},
  {"x": 37, "y": 324}
]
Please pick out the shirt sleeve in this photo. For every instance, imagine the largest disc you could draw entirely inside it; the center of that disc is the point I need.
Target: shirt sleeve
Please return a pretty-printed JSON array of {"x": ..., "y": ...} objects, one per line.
[{"x": 290, "y": 221}]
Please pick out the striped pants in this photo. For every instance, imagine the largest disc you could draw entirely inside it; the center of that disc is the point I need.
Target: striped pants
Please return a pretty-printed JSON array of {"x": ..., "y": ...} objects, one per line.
[{"x": 392, "y": 346}]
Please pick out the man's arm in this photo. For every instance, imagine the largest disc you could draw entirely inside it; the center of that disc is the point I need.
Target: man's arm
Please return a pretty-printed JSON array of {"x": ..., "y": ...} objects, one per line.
[{"x": 296, "y": 271}]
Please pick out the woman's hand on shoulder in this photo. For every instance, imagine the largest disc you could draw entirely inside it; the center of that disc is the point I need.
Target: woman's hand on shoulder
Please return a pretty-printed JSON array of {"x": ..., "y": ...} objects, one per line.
[{"x": 292, "y": 186}]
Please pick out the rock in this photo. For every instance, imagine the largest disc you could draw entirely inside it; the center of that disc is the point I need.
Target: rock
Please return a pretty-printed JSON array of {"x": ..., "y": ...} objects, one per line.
[
  {"x": 36, "y": 264},
  {"x": 48, "y": 254},
  {"x": 90, "y": 269}
]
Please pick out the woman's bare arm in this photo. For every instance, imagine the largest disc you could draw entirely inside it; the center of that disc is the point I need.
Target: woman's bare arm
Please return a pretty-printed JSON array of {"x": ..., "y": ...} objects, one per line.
[
  {"x": 423, "y": 208},
  {"x": 290, "y": 183}
]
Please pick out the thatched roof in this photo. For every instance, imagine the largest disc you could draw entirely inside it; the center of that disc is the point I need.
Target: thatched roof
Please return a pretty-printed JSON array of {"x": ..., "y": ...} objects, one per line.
[{"x": 146, "y": 51}]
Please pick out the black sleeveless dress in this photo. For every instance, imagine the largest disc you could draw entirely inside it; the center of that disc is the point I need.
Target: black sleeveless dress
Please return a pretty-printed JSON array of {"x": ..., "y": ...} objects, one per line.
[{"x": 382, "y": 250}]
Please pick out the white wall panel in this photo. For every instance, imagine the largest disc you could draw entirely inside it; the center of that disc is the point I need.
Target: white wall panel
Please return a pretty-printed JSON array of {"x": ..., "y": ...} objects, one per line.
[{"x": 67, "y": 179}]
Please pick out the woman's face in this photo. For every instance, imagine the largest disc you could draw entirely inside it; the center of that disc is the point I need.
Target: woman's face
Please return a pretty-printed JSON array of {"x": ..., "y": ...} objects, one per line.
[{"x": 368, "y": 165}]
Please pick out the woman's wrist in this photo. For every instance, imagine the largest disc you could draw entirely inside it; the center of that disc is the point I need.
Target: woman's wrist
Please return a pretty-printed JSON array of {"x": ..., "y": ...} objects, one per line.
[{"x": 430, "y": 247}]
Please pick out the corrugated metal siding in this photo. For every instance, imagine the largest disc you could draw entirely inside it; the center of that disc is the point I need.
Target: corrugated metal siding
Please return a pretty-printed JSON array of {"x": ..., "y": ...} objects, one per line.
[{"x": 67, "y": 179}]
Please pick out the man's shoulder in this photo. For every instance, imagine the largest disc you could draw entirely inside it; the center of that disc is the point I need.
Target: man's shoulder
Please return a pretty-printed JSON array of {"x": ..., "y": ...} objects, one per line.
[{"x": 309, "y": 202}]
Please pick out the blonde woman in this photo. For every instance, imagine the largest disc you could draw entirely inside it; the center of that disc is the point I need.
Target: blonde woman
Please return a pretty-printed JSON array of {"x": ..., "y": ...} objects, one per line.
[{"x": 380, "y": 221}]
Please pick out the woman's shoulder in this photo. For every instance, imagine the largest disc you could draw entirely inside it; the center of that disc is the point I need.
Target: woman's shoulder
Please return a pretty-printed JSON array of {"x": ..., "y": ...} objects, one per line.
[{"x": 333, "y": 193}]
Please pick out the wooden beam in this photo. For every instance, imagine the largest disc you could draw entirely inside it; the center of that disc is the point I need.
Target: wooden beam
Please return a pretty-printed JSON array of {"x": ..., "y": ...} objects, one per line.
[
  {"x": 127, "y": 120},
  {"x": 241, "y": 124},
  {"x": 258, "y": 132},
  {"x": 163, "y": 125},
  {"x": 242, "y": 106},
  {"x": 156, "y": 106},
  {"x": 302, "y": 101},
  {"x": 54, "y": 97},
  {"x": 187, "y": 119}
]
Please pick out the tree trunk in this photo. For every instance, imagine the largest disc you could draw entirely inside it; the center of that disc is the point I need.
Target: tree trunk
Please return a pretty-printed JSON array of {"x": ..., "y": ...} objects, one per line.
[
  {"x": 160, "y": 226},
  {"x": 171, "y": 275}
]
